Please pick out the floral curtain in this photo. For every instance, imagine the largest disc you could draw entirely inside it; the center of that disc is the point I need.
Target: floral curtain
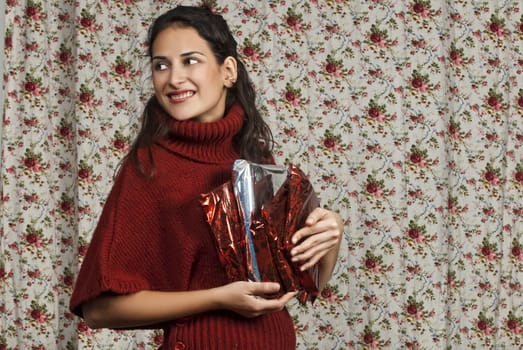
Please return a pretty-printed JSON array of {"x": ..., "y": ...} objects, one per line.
[{"x": 407, "y": 115}]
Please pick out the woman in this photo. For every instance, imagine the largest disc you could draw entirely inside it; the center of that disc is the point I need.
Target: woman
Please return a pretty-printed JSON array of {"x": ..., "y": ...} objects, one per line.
[{"x": 152, "y": 261}]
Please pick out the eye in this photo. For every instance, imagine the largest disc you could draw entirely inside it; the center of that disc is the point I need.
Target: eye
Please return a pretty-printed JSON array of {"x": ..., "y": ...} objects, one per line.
[
  {"x": 160, "y": 66},
  {"x": 191, "y": 60}
]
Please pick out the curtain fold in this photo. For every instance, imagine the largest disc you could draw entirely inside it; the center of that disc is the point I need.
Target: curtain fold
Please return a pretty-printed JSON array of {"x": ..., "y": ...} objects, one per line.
[{"x": 407, "y": 116}]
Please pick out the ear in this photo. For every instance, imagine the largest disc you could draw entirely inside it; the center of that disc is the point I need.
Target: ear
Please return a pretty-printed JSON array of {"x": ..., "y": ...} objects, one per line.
[{"x": 229, "y": 72}]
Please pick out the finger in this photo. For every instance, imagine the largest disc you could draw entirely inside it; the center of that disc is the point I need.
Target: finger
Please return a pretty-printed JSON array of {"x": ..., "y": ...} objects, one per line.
[
  {"x": 312, "y": 219},
  {"x": 309, "y": 244},
  {"x": 263, "y": 288},
  {"x": 321, "y": 220},
  {"x": 315, "y": 216},
  {"x": 270, "y": 305},
  {"x": 287, "y": 297},
  {"x": 311, "y": 263},
  {"x": 302, "y": 233},
  {"x": 309, "y": 258},
  {"x": 281, "y": 301}
]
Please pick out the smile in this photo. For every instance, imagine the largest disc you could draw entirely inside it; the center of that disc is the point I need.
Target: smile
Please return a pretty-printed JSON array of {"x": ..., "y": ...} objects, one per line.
[{"x": 179, "y": 97}]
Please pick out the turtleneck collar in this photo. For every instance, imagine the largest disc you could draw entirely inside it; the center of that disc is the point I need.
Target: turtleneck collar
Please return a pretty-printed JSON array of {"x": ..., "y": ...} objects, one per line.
[{"x": 206, "y": 142}]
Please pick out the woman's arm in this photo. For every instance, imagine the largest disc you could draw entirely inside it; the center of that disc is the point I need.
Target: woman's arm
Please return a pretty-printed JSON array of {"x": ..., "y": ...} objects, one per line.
[
  {"x": 321, "y": 237},
  {"x": 152, "y": 307}
]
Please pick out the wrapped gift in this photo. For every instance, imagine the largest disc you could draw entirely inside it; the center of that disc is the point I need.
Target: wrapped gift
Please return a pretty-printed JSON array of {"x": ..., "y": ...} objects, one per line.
[{"x": 253, "y": 217}]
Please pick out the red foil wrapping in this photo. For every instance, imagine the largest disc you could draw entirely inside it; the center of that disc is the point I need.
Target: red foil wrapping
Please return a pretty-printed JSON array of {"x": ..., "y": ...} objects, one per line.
[{"x": 253, "y": 217}]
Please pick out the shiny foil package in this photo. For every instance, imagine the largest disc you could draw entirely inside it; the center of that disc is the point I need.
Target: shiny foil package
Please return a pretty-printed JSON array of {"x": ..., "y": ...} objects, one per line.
[{"x": 253, "y": 217}]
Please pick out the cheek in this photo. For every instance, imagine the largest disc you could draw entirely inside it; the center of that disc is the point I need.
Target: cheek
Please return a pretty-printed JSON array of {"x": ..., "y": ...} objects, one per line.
[
  {"x": 209, "y": 77},
  {"x": 157, "y": 83},
  {"x": 159, "y": 78}
]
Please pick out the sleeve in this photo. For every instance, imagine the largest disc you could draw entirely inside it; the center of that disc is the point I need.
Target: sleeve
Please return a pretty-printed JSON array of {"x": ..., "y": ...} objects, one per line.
[{"x": 123, "y": 239}]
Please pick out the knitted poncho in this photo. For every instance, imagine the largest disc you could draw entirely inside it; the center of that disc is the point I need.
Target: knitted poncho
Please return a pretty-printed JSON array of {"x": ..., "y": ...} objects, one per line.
[{"x": 152, "y": 235}]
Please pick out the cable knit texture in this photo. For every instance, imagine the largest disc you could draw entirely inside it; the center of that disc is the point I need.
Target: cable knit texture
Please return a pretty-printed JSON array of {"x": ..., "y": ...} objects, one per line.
[{"x": 152, "y": 235}]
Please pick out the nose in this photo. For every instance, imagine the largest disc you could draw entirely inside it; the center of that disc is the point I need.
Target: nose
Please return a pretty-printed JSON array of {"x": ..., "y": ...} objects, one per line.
[{"x": 177, "y": 76}]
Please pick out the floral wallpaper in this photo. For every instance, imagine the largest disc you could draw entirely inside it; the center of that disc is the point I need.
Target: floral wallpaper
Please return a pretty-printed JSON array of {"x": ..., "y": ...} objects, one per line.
[{"x": 407, "y": 115}]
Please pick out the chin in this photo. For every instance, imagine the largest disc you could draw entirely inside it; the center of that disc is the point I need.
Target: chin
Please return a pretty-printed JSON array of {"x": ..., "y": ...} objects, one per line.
[{"x": 179, "y": 114}]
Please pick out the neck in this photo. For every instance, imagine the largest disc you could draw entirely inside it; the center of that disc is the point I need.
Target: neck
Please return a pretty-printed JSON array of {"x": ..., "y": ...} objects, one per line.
[{"x": 206, "y": 142}]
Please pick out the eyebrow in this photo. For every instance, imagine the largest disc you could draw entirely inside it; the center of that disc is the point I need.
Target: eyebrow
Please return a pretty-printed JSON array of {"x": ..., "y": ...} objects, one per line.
[{"x": 185, "y": 54}]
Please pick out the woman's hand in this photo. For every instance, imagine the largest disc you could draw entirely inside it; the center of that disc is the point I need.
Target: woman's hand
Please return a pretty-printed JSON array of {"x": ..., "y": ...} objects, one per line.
[
  {"x": 249, "y": 299},
  {"x": 252, "y": 299},
  {"x": 318, "y": 242}
]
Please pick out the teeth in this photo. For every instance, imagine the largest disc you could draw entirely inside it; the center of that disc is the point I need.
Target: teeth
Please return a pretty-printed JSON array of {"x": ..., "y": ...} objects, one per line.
[{"x": 182, "y": 95}]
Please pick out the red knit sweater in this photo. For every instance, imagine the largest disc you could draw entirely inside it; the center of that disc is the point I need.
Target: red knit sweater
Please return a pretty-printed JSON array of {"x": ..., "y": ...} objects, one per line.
[{"x": 152, "y": 235}]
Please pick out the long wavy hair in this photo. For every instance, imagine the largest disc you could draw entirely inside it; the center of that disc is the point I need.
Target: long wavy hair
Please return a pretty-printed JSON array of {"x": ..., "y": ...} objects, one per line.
[{"x": 255, "y": 140}]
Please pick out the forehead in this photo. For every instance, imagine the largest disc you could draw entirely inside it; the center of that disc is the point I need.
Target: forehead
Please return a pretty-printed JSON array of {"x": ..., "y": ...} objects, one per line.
[{"x": 176, "y": 40}]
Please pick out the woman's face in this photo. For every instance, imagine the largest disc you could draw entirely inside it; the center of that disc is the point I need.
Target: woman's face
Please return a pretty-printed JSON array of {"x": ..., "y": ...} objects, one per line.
[{"x": 188, "y": 81}]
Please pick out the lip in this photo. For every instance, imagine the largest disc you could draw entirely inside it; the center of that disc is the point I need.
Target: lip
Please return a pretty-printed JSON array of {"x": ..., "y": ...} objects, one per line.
[{"x": 180, "y": 96}]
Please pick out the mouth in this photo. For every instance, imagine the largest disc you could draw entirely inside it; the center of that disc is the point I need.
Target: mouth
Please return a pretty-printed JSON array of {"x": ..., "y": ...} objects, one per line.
[{"x": 181, "y": 96}]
